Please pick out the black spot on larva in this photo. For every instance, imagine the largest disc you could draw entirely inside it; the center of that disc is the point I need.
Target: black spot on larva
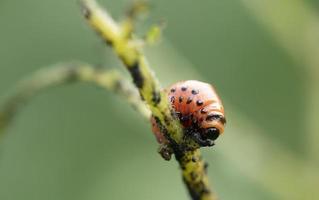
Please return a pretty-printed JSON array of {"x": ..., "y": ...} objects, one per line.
[
  {"x": 137, "y": 75},
  {"x": 173, "y": 90},
  {"x": 211, "y": 117},
  {"x": 199, "y": 102},
  {"x": 180, "y": 99},
  {"x": 194, "y": 92},
  {"x": 189, "y": 100},
  {"x": 172, "y": 99},
  {"x": 184, "y": 88}
]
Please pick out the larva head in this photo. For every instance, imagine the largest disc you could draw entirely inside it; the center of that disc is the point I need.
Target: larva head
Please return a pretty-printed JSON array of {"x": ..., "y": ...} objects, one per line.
[{"x": 213, "y": 121}]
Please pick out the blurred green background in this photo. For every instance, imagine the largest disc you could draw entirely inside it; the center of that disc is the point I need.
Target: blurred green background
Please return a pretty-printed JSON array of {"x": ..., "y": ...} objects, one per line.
[{"x": 80, "y": 142}]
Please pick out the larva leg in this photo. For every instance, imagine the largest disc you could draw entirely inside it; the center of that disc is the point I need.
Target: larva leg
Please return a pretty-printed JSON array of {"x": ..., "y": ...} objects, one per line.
[
  {"x": 204, "y": 143},
  {"x": 165, "y": 151}
]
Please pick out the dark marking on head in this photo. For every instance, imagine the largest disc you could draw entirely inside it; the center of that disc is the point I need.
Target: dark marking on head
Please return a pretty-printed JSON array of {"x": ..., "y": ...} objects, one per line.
[
  {"x": 180, "y": 99},
  {"x": 189, "y": 100},
  {"x": 173, "y": 90},
  {"x": 194, "y": 92},
  {"x": 199, "y": 102},
  {"x": 184, "y": 88},
  {"x": 137, "y": 75},
  {"x": 212, "y": 116}
]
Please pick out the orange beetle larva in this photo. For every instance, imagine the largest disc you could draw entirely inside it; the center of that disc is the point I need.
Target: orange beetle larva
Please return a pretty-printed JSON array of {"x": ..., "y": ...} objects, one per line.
[{"x": 199, "y": 110}]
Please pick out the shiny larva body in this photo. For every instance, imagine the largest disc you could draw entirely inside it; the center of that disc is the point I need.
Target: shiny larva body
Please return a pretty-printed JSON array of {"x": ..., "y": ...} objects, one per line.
[{"x": 199, "y": 110}]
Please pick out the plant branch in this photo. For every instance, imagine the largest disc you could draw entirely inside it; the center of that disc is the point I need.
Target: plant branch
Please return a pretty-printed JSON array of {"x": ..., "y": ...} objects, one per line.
[
  {"x": 129, "y": 51},
  {"x": 126, "y": 46},
  {"x": 66, "y": 73}
]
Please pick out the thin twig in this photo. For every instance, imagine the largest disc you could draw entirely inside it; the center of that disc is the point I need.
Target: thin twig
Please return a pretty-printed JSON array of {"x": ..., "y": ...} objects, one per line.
[
  {"x": 65, "y": 73},
  {"x": 123, "y": 42}
]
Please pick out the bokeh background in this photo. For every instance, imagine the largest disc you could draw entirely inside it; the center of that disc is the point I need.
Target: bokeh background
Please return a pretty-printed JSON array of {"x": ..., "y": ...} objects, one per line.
[{"x": 80, "y": 142}]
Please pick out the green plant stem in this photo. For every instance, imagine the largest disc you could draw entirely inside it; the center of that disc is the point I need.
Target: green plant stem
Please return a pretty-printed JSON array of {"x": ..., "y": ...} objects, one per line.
[{"x": 66, "y": 73}]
